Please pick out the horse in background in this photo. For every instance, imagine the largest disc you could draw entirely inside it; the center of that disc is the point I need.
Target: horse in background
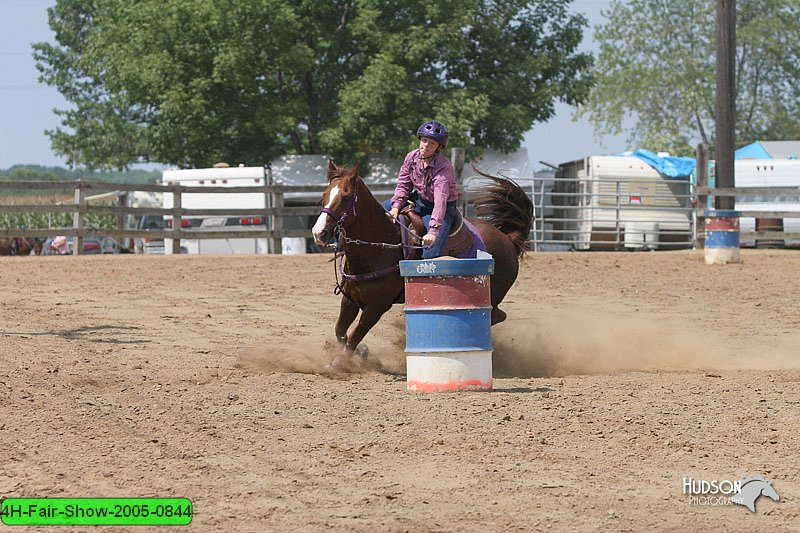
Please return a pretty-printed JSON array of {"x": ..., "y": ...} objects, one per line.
[
  {"x": 372, "y": 245},
  {"x": 21, "y": 245}
]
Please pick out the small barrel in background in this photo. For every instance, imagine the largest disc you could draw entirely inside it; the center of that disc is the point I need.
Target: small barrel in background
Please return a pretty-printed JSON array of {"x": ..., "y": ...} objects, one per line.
[
  {"x": 293, "y": 245},
  {"x": 448, "y": 324},
  {"x": 722, "y": 237}
]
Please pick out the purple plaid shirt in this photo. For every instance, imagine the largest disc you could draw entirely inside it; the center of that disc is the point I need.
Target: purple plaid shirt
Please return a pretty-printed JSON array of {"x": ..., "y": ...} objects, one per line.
[{"x": 435, "y": 183}]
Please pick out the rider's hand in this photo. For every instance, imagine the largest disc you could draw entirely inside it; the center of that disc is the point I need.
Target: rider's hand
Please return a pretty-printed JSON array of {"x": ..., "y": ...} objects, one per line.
[
  {"x": 428, "y": 240},
  {"x": 393, "y": 214}
]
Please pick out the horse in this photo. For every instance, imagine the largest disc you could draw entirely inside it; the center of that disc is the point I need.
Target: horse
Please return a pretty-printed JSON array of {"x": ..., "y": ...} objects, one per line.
[
  {"x": 21, "y": 245},
  {"x": 372, "y": 245}
]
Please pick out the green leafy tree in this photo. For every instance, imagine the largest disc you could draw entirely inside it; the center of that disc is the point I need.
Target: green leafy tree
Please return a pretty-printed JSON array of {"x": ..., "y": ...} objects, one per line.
[
  {"x": 656, "y": 68},
  {"x": 194, "y": 82},
  {"x": 41, "y": 173}
]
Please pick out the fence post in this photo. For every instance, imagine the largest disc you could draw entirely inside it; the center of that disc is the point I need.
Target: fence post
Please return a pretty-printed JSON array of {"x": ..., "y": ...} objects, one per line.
[
  {"x": 268, "y": 204},
  {"x": 457, "y": 157},
  {"x": 277, "y": 222},
  {"x": 176, "y": 219},
  {"x": 702, "y": 199},
  {"x": 539, "y": 218},
  {"x": 617, "y": 216},
  {"x": 77, "y": 218},
  {"x": 122, "y": 201}
]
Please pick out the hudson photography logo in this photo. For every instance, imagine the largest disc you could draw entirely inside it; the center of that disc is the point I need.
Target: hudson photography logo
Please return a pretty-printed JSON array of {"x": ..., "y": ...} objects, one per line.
[{"x": 744, "y": 491}]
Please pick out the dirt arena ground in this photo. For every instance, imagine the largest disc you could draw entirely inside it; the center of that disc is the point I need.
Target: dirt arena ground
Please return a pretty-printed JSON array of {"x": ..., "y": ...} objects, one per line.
[{"x": 617, "y": 376}]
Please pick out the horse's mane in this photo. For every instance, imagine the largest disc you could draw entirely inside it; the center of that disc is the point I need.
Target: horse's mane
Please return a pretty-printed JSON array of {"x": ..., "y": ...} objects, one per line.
[
  {"x": 745, "y": 480},
  {"x": 505, "y": 205}
]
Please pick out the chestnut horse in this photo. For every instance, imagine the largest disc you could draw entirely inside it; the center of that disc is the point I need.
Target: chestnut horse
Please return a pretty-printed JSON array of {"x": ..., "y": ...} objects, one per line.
[
  {"x": 20, "y": 245},
  {"x": 372, "y": 246}
]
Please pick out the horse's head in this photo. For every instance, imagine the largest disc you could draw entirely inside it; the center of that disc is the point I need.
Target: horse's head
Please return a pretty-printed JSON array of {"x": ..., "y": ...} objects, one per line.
[
  {"x": 753, "y": 487},
  {"x": 338, "y": 202},
  {"x": 769, "y": 491}
]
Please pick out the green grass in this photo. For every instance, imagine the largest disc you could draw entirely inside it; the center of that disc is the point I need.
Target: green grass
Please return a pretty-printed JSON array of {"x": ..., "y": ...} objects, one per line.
[
  {"x": 54, "y": 220},
  {"x": 49, "y": 220}
]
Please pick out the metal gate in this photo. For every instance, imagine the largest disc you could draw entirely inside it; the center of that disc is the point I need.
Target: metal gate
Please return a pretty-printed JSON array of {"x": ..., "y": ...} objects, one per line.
[{"x": 604, "y": 214}]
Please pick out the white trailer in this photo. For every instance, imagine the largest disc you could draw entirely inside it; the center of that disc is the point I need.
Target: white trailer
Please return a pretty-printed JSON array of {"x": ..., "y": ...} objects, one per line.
[
  {"x": 607, "y": 202},
  {"x": 768, "y": 173},
  {"x": 220, "y": 177}
]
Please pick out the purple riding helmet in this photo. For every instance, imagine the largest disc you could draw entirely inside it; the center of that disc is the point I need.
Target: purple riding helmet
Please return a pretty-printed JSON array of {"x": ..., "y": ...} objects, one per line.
[{"x": 435, "y": 130}]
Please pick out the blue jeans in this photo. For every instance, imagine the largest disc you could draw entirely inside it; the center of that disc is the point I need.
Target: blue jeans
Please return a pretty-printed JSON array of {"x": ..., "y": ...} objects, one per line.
[{"x": 425, "y": 208}]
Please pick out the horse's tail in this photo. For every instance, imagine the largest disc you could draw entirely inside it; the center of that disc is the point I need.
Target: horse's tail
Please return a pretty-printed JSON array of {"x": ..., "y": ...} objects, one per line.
[{"x": 505, "y": 205}]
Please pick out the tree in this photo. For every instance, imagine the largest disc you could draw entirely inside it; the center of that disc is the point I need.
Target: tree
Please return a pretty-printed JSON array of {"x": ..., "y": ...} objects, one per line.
[
  {"x": 656, "y": 67},
  {"x": 193, "y": 82}
]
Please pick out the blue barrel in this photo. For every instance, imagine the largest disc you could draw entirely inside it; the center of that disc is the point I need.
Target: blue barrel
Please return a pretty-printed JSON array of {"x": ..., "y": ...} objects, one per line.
[
  {"x": 722, "y": 237},
  {"x": 448, "y": 324}
]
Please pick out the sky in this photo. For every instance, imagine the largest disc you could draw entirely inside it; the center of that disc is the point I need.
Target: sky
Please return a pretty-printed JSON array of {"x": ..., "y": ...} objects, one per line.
[{"x": 26, "y": 106}]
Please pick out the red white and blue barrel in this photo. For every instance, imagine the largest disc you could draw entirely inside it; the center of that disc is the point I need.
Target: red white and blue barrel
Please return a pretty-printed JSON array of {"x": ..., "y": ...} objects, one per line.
[
  {"x": 722, "y": 237},
  {"x": 448, "y": 324}
]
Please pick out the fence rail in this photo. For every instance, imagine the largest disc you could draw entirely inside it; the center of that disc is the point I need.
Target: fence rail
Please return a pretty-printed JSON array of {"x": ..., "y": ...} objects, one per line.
[
  {"x": 89, "y": 185},
  {"x": 274, "y": 213},
  {"x": 611, "y": 213},
  {"x": 575, "y": 213}
]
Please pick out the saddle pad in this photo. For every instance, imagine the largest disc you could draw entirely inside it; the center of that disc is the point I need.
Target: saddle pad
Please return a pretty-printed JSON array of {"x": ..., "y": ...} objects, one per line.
[{"x": 464, "y": 242}]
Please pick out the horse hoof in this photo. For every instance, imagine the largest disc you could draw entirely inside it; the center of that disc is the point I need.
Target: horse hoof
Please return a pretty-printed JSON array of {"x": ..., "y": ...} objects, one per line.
[
  {"x": 362, "y": 351},
  {"x": 335, "y": 363}
]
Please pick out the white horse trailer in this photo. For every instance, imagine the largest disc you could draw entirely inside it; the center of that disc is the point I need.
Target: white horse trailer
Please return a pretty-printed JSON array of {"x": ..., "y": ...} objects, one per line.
[
  {"x": 220, "y": 177},
  {"x": 768, "y": 173},
  {"x": 620, "y": 202}
]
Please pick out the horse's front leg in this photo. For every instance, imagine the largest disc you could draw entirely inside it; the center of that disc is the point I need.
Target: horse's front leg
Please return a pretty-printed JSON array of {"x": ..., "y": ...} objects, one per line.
[
  {"x": 348, "y": 310},
  {"x": 369, "y": 317}
]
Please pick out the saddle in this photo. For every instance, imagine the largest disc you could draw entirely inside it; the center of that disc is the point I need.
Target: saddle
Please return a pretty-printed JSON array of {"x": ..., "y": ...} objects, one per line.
[{"x": 459, "y": 241}]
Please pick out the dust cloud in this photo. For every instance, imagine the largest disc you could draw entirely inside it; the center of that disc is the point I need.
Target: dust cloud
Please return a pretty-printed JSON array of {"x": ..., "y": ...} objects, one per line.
[
  {"x": 572, "y": 344},
  {"x": 306, "y": 355},
  {"x": 559, "y": 345},
  {"x": 302, "y": 355}
]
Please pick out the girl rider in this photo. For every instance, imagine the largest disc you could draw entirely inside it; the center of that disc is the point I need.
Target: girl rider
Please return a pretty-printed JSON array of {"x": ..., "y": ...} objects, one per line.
[{"x": 428, "y": 180}]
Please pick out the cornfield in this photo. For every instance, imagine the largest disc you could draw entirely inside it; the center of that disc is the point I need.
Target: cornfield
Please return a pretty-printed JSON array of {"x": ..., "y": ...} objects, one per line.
[{"x": 49, "y": 220}]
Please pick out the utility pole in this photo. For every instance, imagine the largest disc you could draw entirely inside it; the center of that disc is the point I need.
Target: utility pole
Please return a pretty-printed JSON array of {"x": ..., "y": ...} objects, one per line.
[{"x": 726, "y": 100}]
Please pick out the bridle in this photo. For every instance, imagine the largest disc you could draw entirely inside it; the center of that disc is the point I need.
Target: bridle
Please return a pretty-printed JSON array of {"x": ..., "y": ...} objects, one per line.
[
  {"x": 350, "y": 209},
  {"x": 341, "y": 236}
]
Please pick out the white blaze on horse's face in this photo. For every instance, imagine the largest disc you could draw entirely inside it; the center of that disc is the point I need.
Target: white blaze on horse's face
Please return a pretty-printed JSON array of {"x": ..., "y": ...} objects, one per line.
[{"x": 322, "y": 221}]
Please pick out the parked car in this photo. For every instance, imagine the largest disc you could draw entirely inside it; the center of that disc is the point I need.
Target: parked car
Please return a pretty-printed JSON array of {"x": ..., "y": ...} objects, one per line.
[{"x": 148, "y": 245}]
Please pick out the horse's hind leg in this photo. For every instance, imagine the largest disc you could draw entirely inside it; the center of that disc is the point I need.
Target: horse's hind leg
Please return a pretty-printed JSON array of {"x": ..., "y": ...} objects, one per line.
[
  {"x": 499, "y": 290},
  {"x": 348, "y": 310},
  {"x": 498, "y": 315}
]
